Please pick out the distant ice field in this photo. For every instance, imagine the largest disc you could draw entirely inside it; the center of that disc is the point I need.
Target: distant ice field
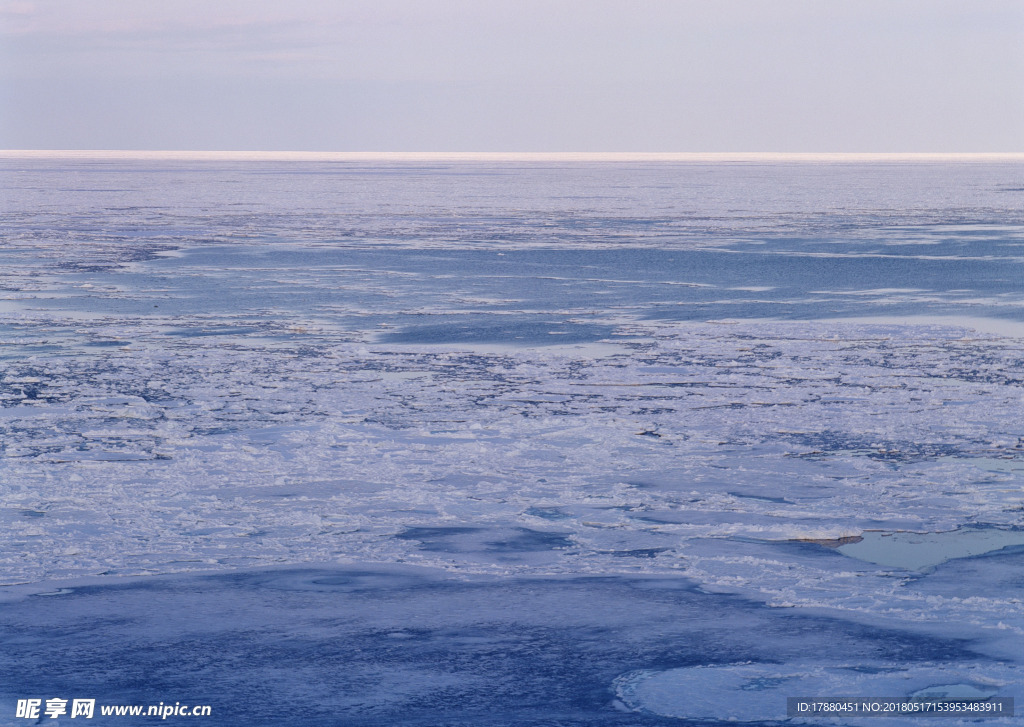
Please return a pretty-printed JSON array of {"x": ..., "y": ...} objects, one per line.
[{"x": 795, "y": 383}]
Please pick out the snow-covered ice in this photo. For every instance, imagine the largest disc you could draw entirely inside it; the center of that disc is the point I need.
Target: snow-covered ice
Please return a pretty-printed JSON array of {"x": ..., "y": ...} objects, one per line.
[{"x": 727, "y": 381}]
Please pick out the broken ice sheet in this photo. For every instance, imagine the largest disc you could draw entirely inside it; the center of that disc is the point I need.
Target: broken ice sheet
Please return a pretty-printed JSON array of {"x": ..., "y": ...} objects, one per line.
[{"x": 512, "y": 371}]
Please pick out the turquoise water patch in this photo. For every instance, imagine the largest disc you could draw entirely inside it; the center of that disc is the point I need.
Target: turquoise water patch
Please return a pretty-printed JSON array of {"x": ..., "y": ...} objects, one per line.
[{"x": 922, "y": 551}]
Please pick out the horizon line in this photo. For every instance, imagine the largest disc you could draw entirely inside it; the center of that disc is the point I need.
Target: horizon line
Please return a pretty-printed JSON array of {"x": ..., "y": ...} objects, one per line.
[{"x": 493, "y": 156}]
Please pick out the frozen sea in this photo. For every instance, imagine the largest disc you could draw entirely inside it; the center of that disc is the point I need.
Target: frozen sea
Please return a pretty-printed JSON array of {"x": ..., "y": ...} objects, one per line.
[{"x": 493, "y": 442}]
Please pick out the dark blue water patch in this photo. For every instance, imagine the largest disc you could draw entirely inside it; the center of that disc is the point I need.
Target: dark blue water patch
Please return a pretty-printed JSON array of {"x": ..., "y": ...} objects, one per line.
[
  {"x": 548, "y": 513},
  {"x": 798, "y": 279},
  {"x": 436, "y": 538},
  {"x": 373, "y": 646},
  {"x": 637, "y": 552},
  {"x": 1001, "y": 571},
  {"x": 514, "y": 332},
  {"x": 785, "y": 265},
  {"x": 525, "y": 539},
  {"x": 491, "y": 540}
]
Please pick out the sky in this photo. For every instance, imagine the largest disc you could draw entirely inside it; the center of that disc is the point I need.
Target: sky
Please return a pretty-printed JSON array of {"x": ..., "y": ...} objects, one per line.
[{"x": 513, "y": 75}]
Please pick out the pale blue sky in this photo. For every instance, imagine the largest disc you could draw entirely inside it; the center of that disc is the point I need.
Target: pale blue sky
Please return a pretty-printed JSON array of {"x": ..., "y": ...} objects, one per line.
[{"x": 513, "y": 75}]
